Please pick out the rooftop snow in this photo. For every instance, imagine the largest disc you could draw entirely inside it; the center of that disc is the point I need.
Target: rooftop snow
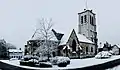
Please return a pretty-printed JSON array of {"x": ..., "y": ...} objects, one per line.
[
  {"x": 81, "y": 38},
  {"x": 37, "y": 36},
  {"x": 15, "y": 50}
]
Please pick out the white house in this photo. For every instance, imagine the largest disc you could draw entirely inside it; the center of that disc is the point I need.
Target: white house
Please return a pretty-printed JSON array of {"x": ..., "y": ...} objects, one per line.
[
  {"x": 116, "y": 49},
  {"x": 15, "y": 53}
]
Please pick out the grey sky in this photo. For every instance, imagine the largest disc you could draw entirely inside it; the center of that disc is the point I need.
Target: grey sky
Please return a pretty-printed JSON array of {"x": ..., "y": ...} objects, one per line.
[{"x": 18, "y": 18}]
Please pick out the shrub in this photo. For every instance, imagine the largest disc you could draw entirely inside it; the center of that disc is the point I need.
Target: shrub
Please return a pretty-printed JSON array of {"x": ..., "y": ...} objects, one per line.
[
  {"x": 27, "y": 63},
  {"x": 60, "y": 61},
  {"x": 63, "y": 60},
  {"x": 35, "y": 57},
  {"x": 30, "y": 62},
  {"x": 103, "y": 55},
  {"x": 43, "y": 59},
  {"x": 62, "y": 64},
  {"x": 45, "y": 64},
  {"x": 34, "y": 61},
  {"x": 54, "y": 60},
  {"x": 27, "y": 57}
]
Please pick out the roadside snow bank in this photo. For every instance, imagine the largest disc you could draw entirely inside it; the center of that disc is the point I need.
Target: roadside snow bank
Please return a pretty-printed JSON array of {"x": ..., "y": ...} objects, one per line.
[
  {"x": 103, "y": 54},
  {"x": 75, "y": 63}
]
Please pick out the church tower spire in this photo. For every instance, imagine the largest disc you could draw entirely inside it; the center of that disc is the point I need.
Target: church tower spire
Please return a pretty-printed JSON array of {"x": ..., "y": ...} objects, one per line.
[{"x": 86, "y": 5}]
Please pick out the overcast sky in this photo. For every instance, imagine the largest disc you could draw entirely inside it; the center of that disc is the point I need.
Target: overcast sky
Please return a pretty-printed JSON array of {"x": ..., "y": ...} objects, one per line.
[{"x": 18, "y": 18}]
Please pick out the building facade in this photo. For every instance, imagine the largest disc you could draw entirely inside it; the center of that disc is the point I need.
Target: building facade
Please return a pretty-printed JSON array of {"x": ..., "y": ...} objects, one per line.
[
  {"x": 15, "y": 53},
  {"x": 115, "y": 49},
  {"x": 84, "y": 42},
  {"x": 38, "y": 48},
  {"x": 77, "y": 46}
]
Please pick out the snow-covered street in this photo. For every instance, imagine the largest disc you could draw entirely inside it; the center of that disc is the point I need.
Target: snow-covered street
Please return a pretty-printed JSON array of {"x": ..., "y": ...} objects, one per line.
[{"x": 75, "y": 63}]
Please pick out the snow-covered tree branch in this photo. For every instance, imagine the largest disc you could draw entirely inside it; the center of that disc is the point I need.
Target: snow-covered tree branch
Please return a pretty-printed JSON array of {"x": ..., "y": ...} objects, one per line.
[{"x": 44, "y": 33}]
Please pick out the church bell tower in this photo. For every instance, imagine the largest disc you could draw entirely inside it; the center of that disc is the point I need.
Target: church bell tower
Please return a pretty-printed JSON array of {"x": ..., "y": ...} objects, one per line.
[{"x": 87, "y": 25}]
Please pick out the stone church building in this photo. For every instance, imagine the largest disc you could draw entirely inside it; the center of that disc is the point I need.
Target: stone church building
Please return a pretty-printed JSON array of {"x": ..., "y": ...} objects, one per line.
[
  {"x": 84, "y": 42},
  {"x": 78, "y": 44}
]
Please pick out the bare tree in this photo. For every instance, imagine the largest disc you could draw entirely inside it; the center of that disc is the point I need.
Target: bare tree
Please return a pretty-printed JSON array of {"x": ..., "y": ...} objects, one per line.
[{"x": 44, "y": 33}]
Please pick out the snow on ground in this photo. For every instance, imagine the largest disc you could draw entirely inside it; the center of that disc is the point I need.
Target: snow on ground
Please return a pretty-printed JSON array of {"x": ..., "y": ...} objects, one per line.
[
  {"x": 114, "y": 68},
  {"x": 75, "y": 63}
]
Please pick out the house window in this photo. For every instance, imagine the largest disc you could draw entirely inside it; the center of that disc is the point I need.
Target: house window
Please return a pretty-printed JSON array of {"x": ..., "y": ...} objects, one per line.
[
  {"x": 85, "y": 18},
  {"x": 81, "y": 19},
  {"x": 91, "y": 49},
  {"x": 86, "y": 49}
]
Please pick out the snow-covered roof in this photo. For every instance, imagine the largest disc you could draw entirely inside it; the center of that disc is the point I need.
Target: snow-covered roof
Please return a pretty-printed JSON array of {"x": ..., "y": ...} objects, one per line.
[
  {"x": 15, "y": 50},
  {"x": 40, "y": 37},
  {"x": 65, "y": 37},
  {"x": 81, "y": 38},
  {"x": 118, "y": 46},
  {"x": 54, "y": 38},
  {"x": 68, "y": 47}
]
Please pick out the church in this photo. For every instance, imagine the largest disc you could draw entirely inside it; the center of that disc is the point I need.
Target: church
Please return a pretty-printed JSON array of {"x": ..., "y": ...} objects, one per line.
[
  {"x": 83, "y": 43},
  {"x": 79, "y": 43}
]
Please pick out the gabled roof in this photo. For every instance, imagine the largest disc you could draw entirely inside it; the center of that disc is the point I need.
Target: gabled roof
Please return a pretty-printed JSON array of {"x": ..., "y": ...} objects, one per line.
[
  {"x": 58, "y": 35},
  {"x": 37, "y": 36},
  {"x": 118, "y": 46},
  {"x": 80, "y": 37}
]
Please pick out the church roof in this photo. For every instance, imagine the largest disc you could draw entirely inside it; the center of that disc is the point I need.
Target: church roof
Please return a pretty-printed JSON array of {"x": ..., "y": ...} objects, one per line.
[
  {"x": 38, "y": 36},
  {"x": 81, "y": 38},
  {"x": 65, "y": 38}
]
